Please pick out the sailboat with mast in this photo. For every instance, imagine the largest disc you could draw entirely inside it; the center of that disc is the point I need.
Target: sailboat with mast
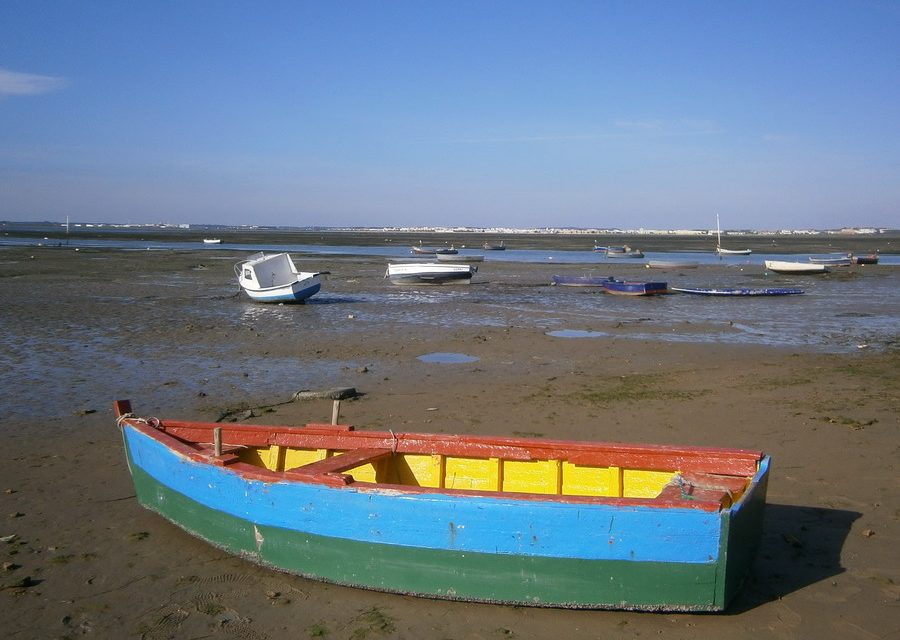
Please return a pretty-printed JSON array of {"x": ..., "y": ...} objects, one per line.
[{"x": 727, "y": 252}]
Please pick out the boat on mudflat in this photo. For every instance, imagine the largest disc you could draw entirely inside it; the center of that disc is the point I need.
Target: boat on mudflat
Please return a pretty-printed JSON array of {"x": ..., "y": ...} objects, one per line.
[
  {"x": 520, "y": 521},
  {"x": 430, "y": 273},
  {"x": 832, "y": 261},
  {"x": 579, "y": 281},
  {"x": 273, "y": 277},
  {"x": 795, "y": 268},
  {"x": 430, "y": 251},
  {"x": 488, "y": 246},
  {"x": 869, "y": 258},
  {"x": 623, "y": 252},
  {"x": 634, "y": 288},
  {"x": 458, "y": 257},
  {"x": 671, "y": 264},
  {"x": 720, "y": 250},
  {"x": 212, "y": 240},
  {"x": 738, "y": 292}
]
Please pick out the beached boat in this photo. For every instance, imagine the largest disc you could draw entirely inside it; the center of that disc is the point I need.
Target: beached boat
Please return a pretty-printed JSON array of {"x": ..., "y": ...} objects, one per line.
[
  {"x": 727, "y": 252},
  {"x": 623, "y": 252},
  {"x": 634, "y": 288},
  {"x": 487, "y": 246},
  {"x": 274, "y": 278},
  {"x": 738, "y": 292},
  {"x": 579, "y": 281},
  {"x": 795, "y": 268},
  {"x": 430, "y": 273},
  {"x": 486, "y": 519},
  {"x": 671, "y": 264},
  {"x": 430, "y": 251},
  {"x": 458, "y": 257},
  {"x": 212, "y": 241},
  {"x": 836, "y": 261},
  {"x": 870, "y": 258}
]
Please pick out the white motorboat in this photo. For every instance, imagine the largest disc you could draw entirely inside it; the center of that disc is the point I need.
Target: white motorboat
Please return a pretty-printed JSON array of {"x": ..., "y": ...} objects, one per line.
[{"x": 274, "y": 278}]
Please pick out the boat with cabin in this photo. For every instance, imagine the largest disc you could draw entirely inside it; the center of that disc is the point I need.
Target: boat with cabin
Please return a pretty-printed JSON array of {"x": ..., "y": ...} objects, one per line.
[{"x": 273, "y": 277}]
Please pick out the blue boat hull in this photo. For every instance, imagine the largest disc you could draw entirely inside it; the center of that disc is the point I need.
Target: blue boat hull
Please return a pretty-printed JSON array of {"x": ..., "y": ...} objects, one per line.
[
  {"x": 739, "y": 292},
  {"x": 625, "y": 288},
  {"x": 538, "y": 552},
  {"x": 293, "y": 294}
]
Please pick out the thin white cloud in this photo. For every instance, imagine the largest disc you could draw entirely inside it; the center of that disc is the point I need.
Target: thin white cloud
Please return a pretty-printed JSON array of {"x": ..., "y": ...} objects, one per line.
[
  {"x": 681, "y": 127},
  {"x": 13, "y": 83},
  {"x": 640, "y": 125},
  {"x": 547, "y": 138},
  {"x": 622, "y": 129}
]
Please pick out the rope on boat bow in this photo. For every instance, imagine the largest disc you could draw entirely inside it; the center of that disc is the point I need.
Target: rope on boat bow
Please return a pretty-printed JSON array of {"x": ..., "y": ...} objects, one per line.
[{"x": 153, "y": 422}]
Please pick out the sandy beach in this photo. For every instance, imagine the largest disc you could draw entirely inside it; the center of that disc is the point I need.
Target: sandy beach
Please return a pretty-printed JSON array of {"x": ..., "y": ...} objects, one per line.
[{"x": 169, "y": 331}]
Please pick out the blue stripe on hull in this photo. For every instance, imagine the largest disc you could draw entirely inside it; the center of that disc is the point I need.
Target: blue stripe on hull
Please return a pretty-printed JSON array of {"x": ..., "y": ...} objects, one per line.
[
  {"x": 541, "y": 528},
  {"x": 296, "y": 296}
]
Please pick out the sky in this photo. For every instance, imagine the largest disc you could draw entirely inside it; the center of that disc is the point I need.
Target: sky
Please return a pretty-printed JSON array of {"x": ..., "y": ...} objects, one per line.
[{"x": 600, "y": 114}]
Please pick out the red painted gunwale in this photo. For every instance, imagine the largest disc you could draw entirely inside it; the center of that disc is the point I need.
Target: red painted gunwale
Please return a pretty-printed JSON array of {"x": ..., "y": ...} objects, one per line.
[{"x": 710, "y": 473}]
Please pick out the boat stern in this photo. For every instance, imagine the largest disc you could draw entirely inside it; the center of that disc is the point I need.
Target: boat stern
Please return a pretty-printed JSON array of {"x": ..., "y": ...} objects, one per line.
[{"x": 742, "y": 527}]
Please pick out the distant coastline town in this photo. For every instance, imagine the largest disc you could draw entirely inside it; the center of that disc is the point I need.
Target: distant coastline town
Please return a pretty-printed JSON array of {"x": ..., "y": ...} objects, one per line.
[{"x": 845, "y": 231}]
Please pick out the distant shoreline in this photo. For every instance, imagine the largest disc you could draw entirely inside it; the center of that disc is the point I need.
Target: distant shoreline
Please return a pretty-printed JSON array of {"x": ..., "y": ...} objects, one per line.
[{"x": 885, "y": 243}]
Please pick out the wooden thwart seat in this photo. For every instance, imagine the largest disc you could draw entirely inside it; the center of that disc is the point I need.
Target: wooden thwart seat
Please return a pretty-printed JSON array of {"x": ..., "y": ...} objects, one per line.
[{"x": 334, "y": 466}]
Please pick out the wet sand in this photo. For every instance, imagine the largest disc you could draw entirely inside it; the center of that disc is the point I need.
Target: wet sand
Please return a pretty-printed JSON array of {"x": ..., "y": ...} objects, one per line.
[{"x": 85, "y": 559}]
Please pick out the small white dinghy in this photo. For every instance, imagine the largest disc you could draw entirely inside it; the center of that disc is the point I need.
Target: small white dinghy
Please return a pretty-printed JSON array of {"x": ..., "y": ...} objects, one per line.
[
  {"x": 795, "y": 268},
  {"x": 430, "y": 273},
  {"x": 274, "y": 278}
]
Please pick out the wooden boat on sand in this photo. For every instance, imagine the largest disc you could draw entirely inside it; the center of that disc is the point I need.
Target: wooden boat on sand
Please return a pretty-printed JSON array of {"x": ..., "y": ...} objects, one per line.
[
  {"x": 273, "y": 277},
  {"x": 488, "y": 519}
]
